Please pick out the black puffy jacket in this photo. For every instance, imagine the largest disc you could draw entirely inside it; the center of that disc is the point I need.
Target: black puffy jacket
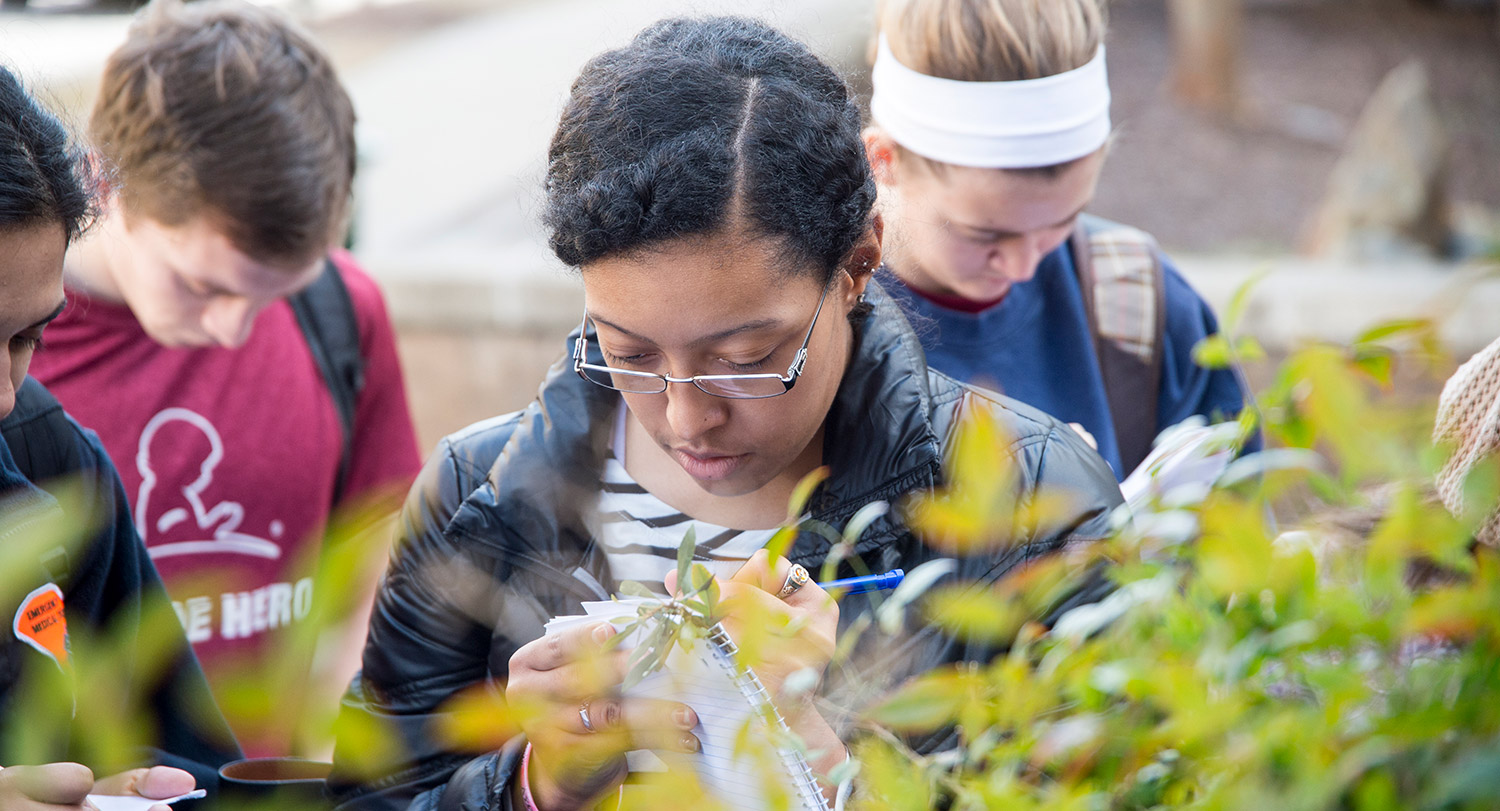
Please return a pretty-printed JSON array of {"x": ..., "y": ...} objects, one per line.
[{"x": 494, "y": 541}]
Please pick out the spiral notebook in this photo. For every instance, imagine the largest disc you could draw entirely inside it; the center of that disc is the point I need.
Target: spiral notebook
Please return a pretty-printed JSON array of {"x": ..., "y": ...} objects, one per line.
[{"x": 726, "y": 698}]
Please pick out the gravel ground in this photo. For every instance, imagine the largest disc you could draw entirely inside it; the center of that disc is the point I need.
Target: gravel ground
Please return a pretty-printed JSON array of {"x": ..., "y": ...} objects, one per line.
[{"x": 1205, "y": 184}]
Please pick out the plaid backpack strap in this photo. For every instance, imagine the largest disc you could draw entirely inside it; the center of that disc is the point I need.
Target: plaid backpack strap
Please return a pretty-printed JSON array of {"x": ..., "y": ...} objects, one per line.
[{"x": 1124, "y": 293}]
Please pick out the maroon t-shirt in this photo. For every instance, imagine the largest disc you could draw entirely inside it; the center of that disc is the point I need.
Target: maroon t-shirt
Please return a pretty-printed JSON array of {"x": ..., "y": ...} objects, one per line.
[{"x": 230, "y": 458}]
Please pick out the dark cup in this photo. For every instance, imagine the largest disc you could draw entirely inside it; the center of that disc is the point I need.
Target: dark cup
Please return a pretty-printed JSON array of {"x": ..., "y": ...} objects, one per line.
[{"x": 273, "y": 782}]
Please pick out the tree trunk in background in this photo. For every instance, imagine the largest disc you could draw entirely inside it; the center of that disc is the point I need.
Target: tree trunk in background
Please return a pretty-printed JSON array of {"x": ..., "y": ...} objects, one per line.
[{"x": 1206, "y": 52}]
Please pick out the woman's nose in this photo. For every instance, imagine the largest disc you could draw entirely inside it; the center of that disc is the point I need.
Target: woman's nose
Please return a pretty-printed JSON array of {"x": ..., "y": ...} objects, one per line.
[
  {"x": 693, "y": 412},
  {"x": 1016, "y": 259}
]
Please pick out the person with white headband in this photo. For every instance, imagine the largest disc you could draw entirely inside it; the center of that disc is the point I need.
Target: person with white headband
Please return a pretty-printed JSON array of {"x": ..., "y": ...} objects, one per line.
[{"x": 990, "y": 127}]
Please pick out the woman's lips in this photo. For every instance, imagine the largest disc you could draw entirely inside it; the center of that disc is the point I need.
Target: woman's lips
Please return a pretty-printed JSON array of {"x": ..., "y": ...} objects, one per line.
[{"x": 707, "y": 467}]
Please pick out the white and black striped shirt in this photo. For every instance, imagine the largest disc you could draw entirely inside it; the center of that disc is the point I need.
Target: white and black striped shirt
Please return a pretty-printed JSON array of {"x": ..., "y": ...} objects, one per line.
[{"x": 640, "y": 533}]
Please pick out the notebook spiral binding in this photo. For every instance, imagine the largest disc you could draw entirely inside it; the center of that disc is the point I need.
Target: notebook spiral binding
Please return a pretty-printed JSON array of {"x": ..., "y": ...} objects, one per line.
[{"x": 755, "y": 693}]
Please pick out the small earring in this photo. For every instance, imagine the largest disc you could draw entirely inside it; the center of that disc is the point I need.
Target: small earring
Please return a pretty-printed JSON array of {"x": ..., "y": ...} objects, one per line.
[{"x": 860, "y": 299}]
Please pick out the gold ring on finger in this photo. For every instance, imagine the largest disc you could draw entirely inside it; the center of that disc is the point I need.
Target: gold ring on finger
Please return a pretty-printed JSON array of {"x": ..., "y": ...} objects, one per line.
[
  {"x": 583, "y": 715},
  {"x": 795, "y": 579}
]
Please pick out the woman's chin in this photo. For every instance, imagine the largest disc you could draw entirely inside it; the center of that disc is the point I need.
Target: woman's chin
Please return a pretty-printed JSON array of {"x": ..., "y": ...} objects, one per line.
[
  {"x": 983, "y": 289},
  {"x": 724, "y": 477}
]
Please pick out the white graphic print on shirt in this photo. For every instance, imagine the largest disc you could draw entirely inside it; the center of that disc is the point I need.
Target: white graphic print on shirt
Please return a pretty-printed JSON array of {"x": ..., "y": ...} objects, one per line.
[{"x": 219, "y": 524}]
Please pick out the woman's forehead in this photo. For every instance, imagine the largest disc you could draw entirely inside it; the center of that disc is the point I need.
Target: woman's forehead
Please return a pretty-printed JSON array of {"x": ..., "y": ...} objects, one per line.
[
  {"x": 31, "y": 262},
  {"x": 692, "y": 291}
]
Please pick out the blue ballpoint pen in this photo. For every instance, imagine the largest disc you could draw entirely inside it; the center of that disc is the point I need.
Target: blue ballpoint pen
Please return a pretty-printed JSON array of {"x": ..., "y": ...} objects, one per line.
[{"x": 860, "y": 585}]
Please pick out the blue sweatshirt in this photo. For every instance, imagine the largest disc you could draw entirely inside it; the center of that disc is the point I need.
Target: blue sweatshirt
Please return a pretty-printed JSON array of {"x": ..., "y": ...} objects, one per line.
[{"x": 1035, "y": 346}]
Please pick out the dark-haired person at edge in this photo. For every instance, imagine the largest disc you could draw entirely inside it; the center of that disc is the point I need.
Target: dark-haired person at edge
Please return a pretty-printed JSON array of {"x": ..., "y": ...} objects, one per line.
[
  {"x": 709, "y": 182},
  {"x": 991, "y": 125},
  {"x": 106, "y": 585},
  {"x": 230, "y": 140}
]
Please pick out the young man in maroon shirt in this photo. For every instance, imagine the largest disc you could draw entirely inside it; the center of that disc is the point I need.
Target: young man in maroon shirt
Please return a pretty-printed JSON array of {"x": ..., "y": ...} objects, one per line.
[{"x": 232, "y": 146}]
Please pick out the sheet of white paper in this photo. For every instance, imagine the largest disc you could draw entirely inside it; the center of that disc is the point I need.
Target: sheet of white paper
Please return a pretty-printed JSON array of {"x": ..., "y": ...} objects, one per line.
[
  {"x": 699, "y": 682},
  {"x": 1186, "y": 456},
  {"x": 112, "y": 802}
]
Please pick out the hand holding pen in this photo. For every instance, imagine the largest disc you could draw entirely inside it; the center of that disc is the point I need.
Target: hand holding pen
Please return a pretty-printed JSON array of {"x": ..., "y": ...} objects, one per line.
[{"x": 846, "y": 586}]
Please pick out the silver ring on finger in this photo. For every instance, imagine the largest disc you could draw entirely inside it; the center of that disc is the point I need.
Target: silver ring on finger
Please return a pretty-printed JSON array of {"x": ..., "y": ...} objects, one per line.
[
  {"x": 583, "y": 715},
  {"x": 795, "y": 579}
]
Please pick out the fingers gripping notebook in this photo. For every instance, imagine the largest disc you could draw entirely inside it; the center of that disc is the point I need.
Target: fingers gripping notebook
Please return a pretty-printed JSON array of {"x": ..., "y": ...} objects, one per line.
[{"x": 747, "y": 762}]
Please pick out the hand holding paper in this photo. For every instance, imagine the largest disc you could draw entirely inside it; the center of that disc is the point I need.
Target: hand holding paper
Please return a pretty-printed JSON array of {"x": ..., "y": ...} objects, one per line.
[{"x": 142, "y": 789}]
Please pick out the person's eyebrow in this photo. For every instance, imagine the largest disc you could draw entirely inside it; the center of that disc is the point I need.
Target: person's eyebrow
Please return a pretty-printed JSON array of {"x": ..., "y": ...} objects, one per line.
[
  {"x": 994, "y": 233},
  {"x": 51, "y": 316},
  {"x": 748, "y": 326},
  {"x": 209, "y": 288}
]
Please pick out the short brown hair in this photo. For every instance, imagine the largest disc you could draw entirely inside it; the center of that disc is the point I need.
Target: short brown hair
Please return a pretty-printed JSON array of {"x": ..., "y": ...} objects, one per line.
[{"x": 230, "y": 111}]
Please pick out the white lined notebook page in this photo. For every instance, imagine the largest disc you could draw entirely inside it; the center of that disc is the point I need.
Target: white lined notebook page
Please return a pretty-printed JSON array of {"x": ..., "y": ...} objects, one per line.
[{"x": 699, "y": 681}]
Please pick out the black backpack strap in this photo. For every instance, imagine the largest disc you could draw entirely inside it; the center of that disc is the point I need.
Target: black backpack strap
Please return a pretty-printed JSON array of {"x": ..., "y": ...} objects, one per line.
[
  {"x": 326, "y": 315},
  {"x": 1124, "y": 296}
]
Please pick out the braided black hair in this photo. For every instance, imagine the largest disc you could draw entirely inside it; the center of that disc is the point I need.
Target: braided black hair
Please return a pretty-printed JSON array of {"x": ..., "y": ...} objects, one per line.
[
  {"x": 43, "y": 176},
  {"x": 702, "y": 124}
]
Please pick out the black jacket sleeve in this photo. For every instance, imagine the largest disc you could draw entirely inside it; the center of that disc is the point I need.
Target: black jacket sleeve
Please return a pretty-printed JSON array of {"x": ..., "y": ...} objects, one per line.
[{"x": 430, "y": 638}]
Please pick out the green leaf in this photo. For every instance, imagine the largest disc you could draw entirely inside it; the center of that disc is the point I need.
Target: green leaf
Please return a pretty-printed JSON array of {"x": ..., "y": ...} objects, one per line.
[
  {"x": 1471, "y": 780},
  {"x": 862, "y": 520},
  {"x": 803, "y": 493},
  {"x": 1235, "y": 312},
  {"x": 914, "y": 585},
  {"x": 925, "y": 704},
  {"x": 1234, "y": 555},
  {"x": 685, "y": 554},
  {"x": 1248, "y": 350},
  {"x": 782, "y": 541},
  {"x": 1378, "y": 364},
  {"x": 1212, "y": 352},
  {"x": 844, "y": 772},
  {"x": 630, "y": 588},
  {"x": 652, "y": 653},
  {"x": 1390, "y": 329},
  {"x": 699, "y": 577},
  {"x": 1256, "y": 465},
  {"x": 972, "y": 613}
]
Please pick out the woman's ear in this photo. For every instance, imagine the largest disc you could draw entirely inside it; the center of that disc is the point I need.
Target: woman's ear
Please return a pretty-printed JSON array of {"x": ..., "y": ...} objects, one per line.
[
  {"x": 865, "y": 258},
  {"x": 880, "y": 151}
]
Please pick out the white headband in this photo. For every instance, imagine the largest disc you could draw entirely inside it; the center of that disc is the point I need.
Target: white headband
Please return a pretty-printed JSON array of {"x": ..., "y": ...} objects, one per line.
[{"x": 993, "y": 125}]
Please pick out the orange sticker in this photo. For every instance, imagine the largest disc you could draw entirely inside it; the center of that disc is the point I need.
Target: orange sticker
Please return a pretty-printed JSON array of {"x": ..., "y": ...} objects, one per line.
[{"x": 41, "y": 624}]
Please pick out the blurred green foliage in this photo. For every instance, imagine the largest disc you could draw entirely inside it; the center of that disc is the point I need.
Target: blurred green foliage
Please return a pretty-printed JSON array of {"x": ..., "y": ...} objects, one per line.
[
  {"x": 1326, "y": 638},
  {"x": 1317, "y": 633}
]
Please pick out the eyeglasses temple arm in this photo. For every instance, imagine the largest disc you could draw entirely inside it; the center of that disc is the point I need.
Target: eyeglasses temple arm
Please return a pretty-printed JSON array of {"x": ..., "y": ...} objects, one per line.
[
  {"x": 801, "y": 360},
  {"x": 578, "y": 345}
]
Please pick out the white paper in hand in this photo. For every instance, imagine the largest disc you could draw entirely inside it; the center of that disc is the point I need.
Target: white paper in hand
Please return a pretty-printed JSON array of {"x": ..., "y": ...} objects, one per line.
[
  {"x": 1187, "y": 460},
  {"x": 135, "y": 802}
]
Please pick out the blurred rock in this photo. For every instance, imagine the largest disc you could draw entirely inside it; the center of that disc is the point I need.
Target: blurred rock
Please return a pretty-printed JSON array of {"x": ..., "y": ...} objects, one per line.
[{"x": 1388, "y": 194}]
